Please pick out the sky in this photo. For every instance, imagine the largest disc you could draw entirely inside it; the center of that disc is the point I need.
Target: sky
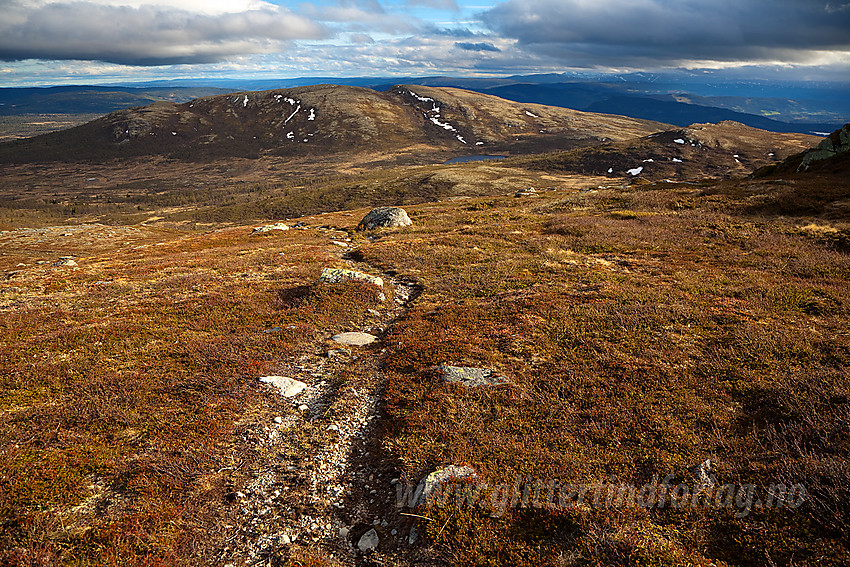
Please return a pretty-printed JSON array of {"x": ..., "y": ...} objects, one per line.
[{"x": 47, "y": 42}]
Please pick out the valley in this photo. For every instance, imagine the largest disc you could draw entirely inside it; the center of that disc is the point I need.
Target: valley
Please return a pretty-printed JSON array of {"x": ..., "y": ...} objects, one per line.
[{"x": 658, "y": 306}]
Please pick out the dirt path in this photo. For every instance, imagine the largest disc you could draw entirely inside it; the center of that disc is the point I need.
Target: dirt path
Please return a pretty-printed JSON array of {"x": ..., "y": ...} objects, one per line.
[{"x": 317, "y": 488}]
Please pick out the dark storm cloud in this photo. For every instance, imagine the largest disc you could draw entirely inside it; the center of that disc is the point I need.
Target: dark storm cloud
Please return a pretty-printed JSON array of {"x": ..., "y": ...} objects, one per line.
[
  {"x": 477, "y": 47},
  {"x": 148, "y": 35},
  {"x": 665, "y": 32}
]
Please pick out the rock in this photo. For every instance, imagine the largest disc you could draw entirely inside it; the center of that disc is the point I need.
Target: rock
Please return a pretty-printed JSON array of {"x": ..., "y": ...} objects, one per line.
[
  {"x": 384, "y": 217},
  {"x": 411, "y": 539},
  {"x": 269, "y": 228},
  {"x": 354, "y": 339},
  {"x": 369, "y": 541},
  {"x": 337, "y": 275},
  {"x": 278, "y": 420},
  {"x": 838, "y": 142},
  {"x": 704, "y": 473},
  {"x": 436, "y": 478},
  {"x": 68, "y": 263},
  {"x": 469, "y": 377},
  {"x": 287, "y": 386},
  {"x": 343, "y": 532},
  {"x": 338, "y": 352},
  {"x": 530, "y": 192}
]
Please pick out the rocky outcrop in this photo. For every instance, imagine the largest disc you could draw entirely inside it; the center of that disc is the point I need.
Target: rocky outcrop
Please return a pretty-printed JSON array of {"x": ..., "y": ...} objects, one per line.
[{"x": 837, "y": 143}]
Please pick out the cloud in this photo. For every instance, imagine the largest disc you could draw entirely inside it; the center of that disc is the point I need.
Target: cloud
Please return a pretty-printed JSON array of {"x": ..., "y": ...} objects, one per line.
[
  {"x": 361, "y": 38},
  {"x": 364, "y": 16},
  {"x": 147, "y": 34},
  {"x": 439, "y": 4},
  {"x": 477, "y": 47},
  {"x": 641, "y": 33}
]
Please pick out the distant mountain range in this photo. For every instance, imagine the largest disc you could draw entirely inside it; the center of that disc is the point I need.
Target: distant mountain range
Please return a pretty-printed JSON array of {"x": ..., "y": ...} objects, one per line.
[
  {"x": 92, "y": 99},
  {"x": 802, "y": 108}
]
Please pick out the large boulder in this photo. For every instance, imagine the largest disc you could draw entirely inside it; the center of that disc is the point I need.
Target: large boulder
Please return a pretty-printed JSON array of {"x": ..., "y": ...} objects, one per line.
[
  {"x": 384, "y": 217},
  {"x": 836, "y": 143}
]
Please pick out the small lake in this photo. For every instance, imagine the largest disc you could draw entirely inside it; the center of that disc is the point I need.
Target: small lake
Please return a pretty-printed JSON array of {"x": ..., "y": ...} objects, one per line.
[{"x": 466, "y": 159}]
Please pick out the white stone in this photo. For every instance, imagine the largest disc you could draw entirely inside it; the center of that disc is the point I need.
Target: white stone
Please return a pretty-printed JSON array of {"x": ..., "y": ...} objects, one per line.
[
  {"x": 269, "y": 228},
  {"x": 354, "y": 339},
  {"x": 287, "y": 386}
]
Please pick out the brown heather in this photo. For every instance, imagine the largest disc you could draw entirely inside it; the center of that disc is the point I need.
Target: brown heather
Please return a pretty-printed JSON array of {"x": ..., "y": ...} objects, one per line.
[{"x": 645, "y": 327}]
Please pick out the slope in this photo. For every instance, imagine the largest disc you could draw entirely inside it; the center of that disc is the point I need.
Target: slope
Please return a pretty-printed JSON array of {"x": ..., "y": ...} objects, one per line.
[
  {"x": 321, "y": 119},
  {"x": 721, "y": 150}
]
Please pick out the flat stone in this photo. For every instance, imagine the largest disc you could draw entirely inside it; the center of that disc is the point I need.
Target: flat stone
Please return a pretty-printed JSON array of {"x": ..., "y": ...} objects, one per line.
[
  {"x": 288, "y": 387},
  {"x": 369, "y": 541},
  {"x": 68, "y": 263},
  {"x": 468, "y": 376},
  {"x": 354, "y": 339},
  {"x": 384, "y": 217},
  {"x": 337, "y": 275},
  {"x": 269, "y": 228}
]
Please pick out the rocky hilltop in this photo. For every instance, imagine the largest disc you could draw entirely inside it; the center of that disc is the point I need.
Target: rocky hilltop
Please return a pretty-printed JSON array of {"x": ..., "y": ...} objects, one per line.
[
  {"x": 325, "y": 118},
  {"x": 721, "y": 150}
]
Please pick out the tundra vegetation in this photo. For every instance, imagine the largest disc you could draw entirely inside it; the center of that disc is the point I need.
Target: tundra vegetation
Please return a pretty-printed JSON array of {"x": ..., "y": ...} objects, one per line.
[{"x": 643, "y": 327}]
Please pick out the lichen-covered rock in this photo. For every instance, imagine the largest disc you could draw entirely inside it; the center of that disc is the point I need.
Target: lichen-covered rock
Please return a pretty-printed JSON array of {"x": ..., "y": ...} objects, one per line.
[
  {"x": 438, "y": 477},
  {"x": 269, "y": 228},
  {"x": 469, "y": 377},
  {"x": 67, "y": 262},
  {"x": 384, "y": 217},
  {"x": 337, "y": 275},
  {"x": 836, "y": 143}
]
